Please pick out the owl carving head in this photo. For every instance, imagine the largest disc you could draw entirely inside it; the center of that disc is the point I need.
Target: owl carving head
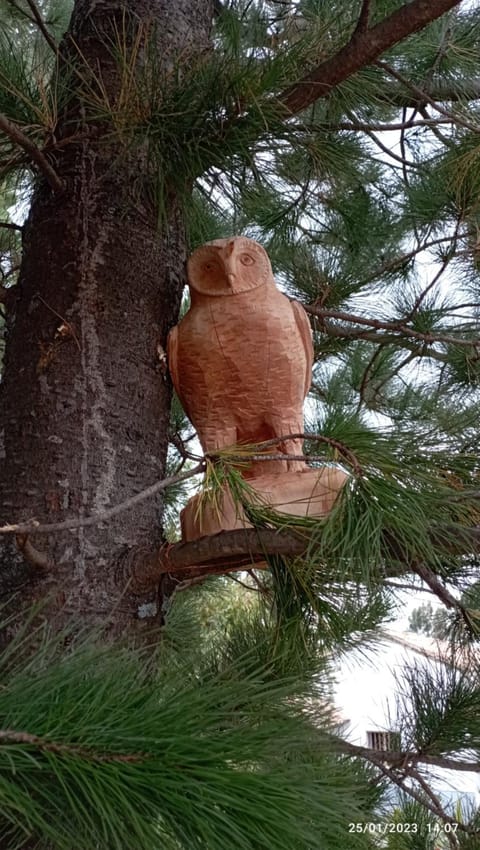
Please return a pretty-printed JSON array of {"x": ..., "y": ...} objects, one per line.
[{"x": 228, "y": 266}]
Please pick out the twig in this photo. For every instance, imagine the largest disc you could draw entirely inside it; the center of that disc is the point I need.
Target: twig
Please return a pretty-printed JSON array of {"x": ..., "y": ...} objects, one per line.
[
  {"x": 362, "y": 23},
  {"x": 261, "y": 586},
  {"x": 366, "y": 376},
  {"x": 446, "y": 260},
  {"x": 397, "y": 326},
  {"x": 33, "y": 555},
  {"x": 400, "y": 781},
  {"x": 320, "y": 438},
  {"x": 94, "y": 519},
  {"x": 400, "y": 758},
  {"x": 42, "y": 26},
  {"x": 68, "y": 325},
  {"x": 391, "y": 265},
  {"x": 19, "y": 138},
  {"x": 11, "y": 736},
  {"x": 424, "y": 97},
  {"x": 375, "y": 126},
  {"x": 388, "y": 151},
  {"x": 435, "y": 801},
  {"x": 247, "y": 458},
  {"x": 10, "y": 226},
  {"x": 398, "y": 585},
  {"x": 419, "y": 349},
  {"x": 432, "y": 580},
  {"x": 395, "y": 371},
  {"x": 244, "y": 584}
]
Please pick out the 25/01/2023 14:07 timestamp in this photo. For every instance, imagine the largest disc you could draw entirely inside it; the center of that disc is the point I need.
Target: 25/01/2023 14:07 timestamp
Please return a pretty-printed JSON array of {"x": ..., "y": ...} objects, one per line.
[{"x": 386, "y": 828}]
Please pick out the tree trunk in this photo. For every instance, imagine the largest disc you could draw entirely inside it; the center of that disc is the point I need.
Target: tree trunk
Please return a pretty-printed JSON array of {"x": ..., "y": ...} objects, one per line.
[{"x": 84, "y": 405}]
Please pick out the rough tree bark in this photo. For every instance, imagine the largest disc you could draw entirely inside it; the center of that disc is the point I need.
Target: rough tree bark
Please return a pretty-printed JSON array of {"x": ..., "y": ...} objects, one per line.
[{"x": 84, "y": 404}]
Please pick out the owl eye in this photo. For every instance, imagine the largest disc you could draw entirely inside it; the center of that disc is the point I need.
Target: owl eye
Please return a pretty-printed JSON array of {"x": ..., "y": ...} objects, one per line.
[
  {"x": 246, "y": 260},
  {"x": 208, "y": 267}
]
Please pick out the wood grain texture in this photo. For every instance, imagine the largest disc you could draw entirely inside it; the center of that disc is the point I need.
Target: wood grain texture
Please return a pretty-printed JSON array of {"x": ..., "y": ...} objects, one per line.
[
  {"x": 309, "y": 493},
  {"x": 241, "y": 359}
]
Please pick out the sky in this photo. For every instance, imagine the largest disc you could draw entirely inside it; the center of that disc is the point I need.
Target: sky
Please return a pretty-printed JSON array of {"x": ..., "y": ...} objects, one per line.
[{"x": 365, "y": 698}]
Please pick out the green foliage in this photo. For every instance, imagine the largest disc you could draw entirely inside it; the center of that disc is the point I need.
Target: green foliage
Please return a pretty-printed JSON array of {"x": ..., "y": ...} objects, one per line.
[
  {"x": 412, "y": 827},
  {"x": 369, "y": 210},
  {"x": 434, "y": 622},
  {"x": 439, "y": 706},
  {"x": 114, "y": 756}
]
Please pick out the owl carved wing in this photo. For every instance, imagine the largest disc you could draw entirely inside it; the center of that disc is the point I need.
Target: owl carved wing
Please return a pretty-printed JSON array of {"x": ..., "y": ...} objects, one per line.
[{"x": 305, "y": 331}]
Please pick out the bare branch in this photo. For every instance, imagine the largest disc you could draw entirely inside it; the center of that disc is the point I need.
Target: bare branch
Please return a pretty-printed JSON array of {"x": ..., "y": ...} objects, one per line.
[
  {"x": 400, "y": 758},
  {"x": 32, "y": 555},
  {"x": 34, "y": 527},
  {"x": 19, "y": 138},
  {"x": 443, "y": 594},
  {"x": 400, "y": 779},
  {"x": 388, "y": 152},
  {"x": 10, "y": 226},
  {"x": 319, "y": 438},
  {"x": 362, "y": 23},
  {"x": 228, "y": 551},
  {"x": 423, "y": 97},
  {"x": 436, "y": 806},
  {"x": 42, "y": 26},
  {"x": 354, "y": 126},
  {"x": 362, "y": 49},
  {"x": 397, "y": 327}
]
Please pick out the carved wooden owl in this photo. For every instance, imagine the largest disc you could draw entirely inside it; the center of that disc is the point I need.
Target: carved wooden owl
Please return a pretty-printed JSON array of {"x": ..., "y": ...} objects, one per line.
[{"x": 241, "y": 358}]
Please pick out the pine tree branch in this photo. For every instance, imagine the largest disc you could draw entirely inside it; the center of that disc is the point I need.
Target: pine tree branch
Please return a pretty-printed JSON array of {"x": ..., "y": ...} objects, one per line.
[
  {"x": 398, "y": 262},
  {"x": 436, "y": 805},
  {"x": 19, "y": 138},
  {"x": 418, "y": 350},
  {"x": 400, "y": 781},
  {"x": 12, "y": 736},
  {"x": 228, "y": 551},
  {"x": 362, "y": 49},
  {"x": 340, "y": 447},
  {"x": 8, "y": 225},
  {"x": 375, "y": 126},
  {"x": 405, "y": 163},
  {"x": 215, "y": 554},
  {"x": 401, "y": 758},
  {"x": 42, "y": 26},
  {"x": 363, "y": 19},
  {"x": 422, "y": 97},
  {"x": 396, "y": 327},
  {"x": 442, "y": 593},
  {"x": 438, "y": 90}
]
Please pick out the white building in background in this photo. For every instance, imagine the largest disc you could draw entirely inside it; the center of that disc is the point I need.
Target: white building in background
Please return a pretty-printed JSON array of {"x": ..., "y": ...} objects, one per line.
[{"x": 365, "y": 698}]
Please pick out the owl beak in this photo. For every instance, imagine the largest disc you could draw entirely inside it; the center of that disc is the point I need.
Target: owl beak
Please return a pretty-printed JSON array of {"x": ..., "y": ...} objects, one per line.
[{"x": 230, "y": 270}]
